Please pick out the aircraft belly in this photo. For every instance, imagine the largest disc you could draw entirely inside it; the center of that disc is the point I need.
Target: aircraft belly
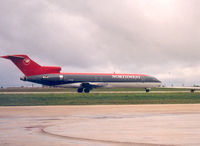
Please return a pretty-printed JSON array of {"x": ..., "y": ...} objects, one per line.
[
  {"x": 115, "y": 85},
  {"x": 133, "y": 85}
]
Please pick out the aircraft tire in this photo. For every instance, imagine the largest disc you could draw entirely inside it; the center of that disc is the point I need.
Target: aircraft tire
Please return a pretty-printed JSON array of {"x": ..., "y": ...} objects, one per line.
[
  {"x": 192, "y": 90},
  {"x": 86, "y": 90},
  {"x": 147, "y": 90},
  {"x": 80, "y": 90}
]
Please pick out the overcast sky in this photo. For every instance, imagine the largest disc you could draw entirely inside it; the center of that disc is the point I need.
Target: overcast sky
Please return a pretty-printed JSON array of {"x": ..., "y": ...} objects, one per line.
[{"x": 156, "y": 37}]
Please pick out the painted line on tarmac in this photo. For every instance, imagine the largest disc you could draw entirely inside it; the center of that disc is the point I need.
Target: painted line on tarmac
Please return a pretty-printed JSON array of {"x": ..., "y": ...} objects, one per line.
[{"x": 99, "y": 141}]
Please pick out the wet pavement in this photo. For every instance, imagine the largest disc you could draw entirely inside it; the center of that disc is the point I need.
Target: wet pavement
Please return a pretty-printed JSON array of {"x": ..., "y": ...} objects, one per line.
[{"x": 109, "y": 125}]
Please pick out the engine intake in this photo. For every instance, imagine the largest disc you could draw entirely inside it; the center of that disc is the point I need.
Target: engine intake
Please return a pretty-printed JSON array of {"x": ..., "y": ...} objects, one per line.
[{"x": 24, "y": 78}]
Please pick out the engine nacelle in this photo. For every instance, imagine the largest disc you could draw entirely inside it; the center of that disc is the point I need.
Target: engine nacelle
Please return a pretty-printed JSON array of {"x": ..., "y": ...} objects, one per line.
[{"x": 52, "y": 77}]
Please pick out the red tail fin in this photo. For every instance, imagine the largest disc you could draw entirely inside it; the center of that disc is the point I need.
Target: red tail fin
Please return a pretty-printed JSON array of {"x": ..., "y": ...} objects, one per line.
[{"x": 30, "y": 67}]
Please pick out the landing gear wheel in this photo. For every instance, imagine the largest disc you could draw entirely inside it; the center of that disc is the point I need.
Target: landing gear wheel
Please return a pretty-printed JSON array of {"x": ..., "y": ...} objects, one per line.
[
  {"x": 80, "y": 90},
  {"x": 147, "y": 90},
  {"x": 192, "y": 90},
  {"x": 86, "y": 90}
]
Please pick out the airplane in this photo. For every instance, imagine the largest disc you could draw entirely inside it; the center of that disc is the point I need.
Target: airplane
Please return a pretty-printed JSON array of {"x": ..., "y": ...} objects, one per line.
[{"x": 52, "y": 76}]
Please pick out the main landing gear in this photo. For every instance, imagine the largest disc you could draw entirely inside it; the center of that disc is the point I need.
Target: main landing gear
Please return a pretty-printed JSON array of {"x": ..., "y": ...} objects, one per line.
[
  {"x": 86, "y": 87},
  {"x": 86, "y": 90},
  {"x": 80, "y": 90}
]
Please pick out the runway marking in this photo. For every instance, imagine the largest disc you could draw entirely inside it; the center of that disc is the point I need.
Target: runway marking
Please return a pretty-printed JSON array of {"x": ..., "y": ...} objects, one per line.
[
  {"x": 99, "y": 141},
  {"x": 22, "y": 125}
]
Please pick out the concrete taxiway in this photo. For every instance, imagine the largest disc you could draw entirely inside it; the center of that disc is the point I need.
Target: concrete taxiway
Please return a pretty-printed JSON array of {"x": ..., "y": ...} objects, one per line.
[{"x": 138, "y": 125}]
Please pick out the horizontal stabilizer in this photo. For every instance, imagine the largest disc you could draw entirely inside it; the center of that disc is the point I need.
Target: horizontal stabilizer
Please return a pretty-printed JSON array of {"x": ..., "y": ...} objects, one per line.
[{"x": 12, "y": 57}]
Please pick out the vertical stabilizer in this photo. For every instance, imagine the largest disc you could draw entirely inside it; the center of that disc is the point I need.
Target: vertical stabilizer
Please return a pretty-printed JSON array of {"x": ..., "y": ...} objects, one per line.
[{"x": 30, "y": 67}]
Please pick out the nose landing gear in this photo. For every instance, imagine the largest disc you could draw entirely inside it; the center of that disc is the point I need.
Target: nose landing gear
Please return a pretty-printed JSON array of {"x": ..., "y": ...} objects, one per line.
[
  {"x": 147, "y": 90},
  {"x": 192, "y": 90}
]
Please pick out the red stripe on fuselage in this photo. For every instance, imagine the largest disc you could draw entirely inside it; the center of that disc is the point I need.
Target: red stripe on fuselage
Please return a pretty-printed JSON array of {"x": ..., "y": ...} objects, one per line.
[{"x": 103, "y": 74}]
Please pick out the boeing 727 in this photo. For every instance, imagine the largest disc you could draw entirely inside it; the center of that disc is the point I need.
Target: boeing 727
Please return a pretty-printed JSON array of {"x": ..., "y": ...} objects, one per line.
[{"x": 51, "y": 76}]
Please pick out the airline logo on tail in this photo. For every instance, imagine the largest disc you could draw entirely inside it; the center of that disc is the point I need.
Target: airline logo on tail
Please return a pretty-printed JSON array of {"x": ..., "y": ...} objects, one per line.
[{"x": 26, "y": 61}]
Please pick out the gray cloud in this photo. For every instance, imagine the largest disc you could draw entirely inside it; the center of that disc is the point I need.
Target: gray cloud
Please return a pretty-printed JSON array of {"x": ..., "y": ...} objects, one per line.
[{"x": 160, "y": 38}]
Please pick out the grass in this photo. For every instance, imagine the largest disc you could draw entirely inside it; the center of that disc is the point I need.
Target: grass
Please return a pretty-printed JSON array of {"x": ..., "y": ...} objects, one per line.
[{"x": 98, "y": 99}]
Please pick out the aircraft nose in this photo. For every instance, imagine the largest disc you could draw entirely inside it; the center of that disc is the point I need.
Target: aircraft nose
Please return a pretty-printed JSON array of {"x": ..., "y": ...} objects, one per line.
[
  {"x": 156, "y": 80},
  {"x": 159, "y": 81}
]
